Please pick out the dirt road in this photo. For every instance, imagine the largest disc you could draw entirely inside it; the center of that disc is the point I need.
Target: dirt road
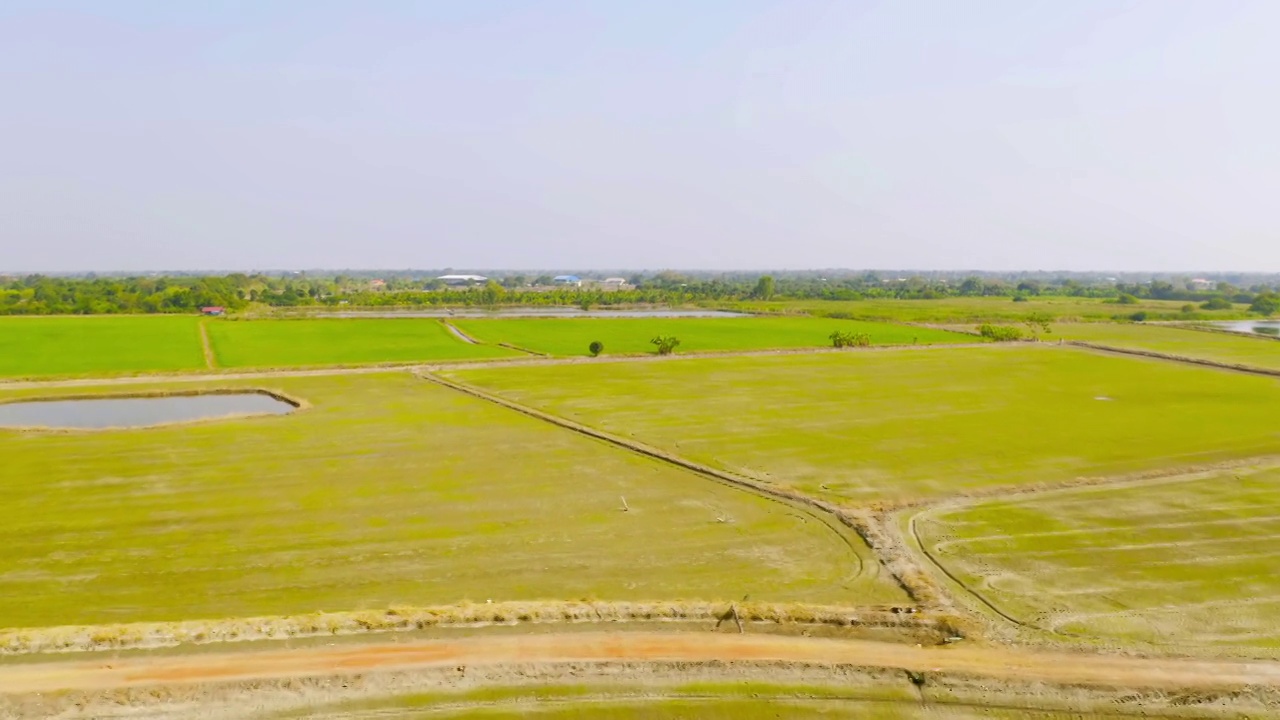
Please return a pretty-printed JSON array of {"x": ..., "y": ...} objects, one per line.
[{"x": 1103, "y": 671}]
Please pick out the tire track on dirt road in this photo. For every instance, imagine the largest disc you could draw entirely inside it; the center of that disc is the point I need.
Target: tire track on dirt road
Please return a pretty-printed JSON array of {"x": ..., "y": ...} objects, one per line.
[{"x": 1102, "y": 671}]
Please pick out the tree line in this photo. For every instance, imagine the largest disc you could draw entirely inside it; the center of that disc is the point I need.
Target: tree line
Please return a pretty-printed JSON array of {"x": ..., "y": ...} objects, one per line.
[{"x": 46, "y": 295}]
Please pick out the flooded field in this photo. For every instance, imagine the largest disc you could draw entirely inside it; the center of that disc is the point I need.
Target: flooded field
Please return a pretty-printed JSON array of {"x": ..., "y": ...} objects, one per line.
[{"x": 1251, "y": 327}]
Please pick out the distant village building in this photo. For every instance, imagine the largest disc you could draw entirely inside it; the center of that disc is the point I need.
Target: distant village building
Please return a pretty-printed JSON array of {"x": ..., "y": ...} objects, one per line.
[
  {"x": 213, "y": 310},
  {"x": 460, "y": 280},
  {"x": 378, "y": 285},
  {"x": 573, "y": 280},
  {"x": 1201, "y": 284}
]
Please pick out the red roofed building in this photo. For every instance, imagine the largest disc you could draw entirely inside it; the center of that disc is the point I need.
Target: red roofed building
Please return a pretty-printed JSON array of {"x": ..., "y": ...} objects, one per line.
[{"x": 213, "y": 310}]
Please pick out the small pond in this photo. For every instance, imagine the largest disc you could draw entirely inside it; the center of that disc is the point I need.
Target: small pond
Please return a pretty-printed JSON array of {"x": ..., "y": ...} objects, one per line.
[
  {"x": 1253, "y": 327},
  {"x": 108, "y": 412}
]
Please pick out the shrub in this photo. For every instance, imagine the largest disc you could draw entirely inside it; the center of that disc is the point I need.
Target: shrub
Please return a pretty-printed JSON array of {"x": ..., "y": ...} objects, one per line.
[
  {"x": 596, "y": 347},
  {"x": 1127, "y": 299},
  {"x": 1000, "y": 333},
  {"x": 1139, "y": 316},
  {"x": 666, "y": 344},
  {"x": 1266, "y": 305},
  {"x": 1216, "y": 304},
  {"x": 1188, "y": 308},
  {"x": 1019, "y": 298},
  {"x": 842, "y": 339}
]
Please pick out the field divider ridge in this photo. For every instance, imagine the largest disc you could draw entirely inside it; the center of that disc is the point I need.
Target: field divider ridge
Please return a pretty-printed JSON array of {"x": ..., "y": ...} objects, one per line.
[
  {"x": 1251, "y": 369},
  {"x": 152, "y": 635},
  {"x": 457, "y": 332},
  {"x": 871, "y": 527},
  {"x": 210, "y": 360}
]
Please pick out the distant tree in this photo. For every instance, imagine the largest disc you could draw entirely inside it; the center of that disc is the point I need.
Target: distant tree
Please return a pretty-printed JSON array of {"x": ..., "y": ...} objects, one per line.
[
  {"x": 596, "y": 347},
  {"x": 1139, "y": 316},
  {"x": 1216, "y": 304},
  {"x": 492, "y": 293},
  {"x": 764, "y": 288},
  {"x": 666, "y": 344},
  {"x": 1127, "y": 299},
  {"x": 1266, "y": 304}
]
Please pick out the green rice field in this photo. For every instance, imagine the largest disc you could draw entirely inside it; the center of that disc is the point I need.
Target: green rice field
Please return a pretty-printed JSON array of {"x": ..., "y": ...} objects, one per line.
[
  {"x": 387, "y": 490},
  {"x": 911, "y": 424},
  {"x": 1219, "y": 347},
  {"x": 571, "y": 336},
  {"x": 299, "y": 343},
  {"x": 98, "y": 345},
  {"x": 1191, "y": 561},
  {"x": 955, "y": 310}
]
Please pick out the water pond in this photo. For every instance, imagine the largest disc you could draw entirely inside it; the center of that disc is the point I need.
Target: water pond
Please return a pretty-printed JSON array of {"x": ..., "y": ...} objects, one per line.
[
  {"x": 134, "y": 412},
  {"x": 1253, "y": 327}
]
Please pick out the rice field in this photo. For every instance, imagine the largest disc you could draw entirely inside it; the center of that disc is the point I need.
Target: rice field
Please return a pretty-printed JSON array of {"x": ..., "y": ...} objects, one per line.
[
  {"x": 313, "y": 342},
  {"x": 913, "y": 424},
  {"x": 623, "y": 336},
  {"x": 387, "y": 490},
  {"x": 1218, "y": 347},
  {"x": 98, "y": 345},
  {"x": 1184, "y": 562}
]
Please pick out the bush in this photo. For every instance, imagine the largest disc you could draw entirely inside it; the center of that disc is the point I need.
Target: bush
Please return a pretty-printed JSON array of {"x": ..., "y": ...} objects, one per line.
[
  {"x": 1266, "y": 305},
  {"x": 1188, "y": 308},
  {"x": 1126, "y": 299},
  {"x": 1216, "y": 304},
  {"x": 596, "y": 347},
  {"x": 1139, "y": 316},
  {"x": 1019, "y": 298},
  {"x": 1000, "y": 333},
  {"x": 842, "y": 339},
  {"x": 666, "y": 344}
]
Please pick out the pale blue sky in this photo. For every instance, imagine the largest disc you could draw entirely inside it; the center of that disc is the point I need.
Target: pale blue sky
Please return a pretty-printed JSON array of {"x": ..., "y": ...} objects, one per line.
[{"x": 730, "y": 134}]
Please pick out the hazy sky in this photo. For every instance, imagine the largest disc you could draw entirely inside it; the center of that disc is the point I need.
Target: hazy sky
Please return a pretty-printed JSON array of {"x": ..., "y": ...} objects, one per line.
[{"x": 645, "y": 134}]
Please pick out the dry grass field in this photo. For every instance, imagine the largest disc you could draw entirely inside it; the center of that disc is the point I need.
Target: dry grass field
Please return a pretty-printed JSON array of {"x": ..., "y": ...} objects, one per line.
[
  {"x": 1183, "y": 562},
  {"x": 910, "y": 425},
  {"x": 387, "y": 490}
]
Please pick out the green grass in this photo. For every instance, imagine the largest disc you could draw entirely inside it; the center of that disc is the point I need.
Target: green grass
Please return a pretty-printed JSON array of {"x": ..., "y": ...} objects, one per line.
[
  {"x": 1190, "y": 561},
  {"x": 297, "y": 343},
  {"x": 984, "y": 309},
  {"x": 389, "y": 490},
  {"x": 1220, "y": 347},
  {"x": 911, "y": 424},
  {"x": 886, "y": 697},
  {"x": 76, "y": 345},
  {"x": 571, "y": 336}
]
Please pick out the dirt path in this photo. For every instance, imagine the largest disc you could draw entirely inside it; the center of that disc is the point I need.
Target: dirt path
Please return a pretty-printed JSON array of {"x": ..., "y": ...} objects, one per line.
[
  {"x": 459, "y": 334},
  {"x": 209, "y": 360},
  {"x": 1104, "y": 671}
]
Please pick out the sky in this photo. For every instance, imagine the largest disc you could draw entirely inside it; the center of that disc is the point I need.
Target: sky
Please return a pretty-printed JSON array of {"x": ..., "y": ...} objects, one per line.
[{"x": 701, "y": 134}]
